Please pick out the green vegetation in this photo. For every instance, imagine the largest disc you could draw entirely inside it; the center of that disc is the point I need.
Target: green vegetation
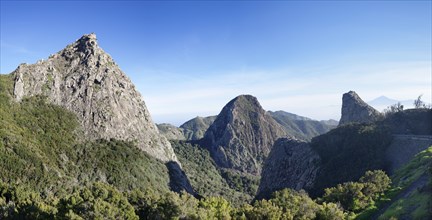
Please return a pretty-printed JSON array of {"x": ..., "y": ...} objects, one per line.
[
  {"x": 34, "y": 137},
  {"x": 357, "y": 196},
  {"x": 416, "y": 176},
  {"x": 120, "y": 164},
  {"x": 102, "y": 201},
  {"x": 206, "y": 178},
  {"x": 40, "y": 148},
  {"x": 347, "y": 152},
  {"x": 412, "y": 171},
  {"x": 98, "y": 201},
  {"x": 241, "y": 182}
]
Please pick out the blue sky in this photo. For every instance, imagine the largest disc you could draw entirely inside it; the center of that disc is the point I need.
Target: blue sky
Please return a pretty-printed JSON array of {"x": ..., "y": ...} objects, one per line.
[{"x": 190, "y": 58}]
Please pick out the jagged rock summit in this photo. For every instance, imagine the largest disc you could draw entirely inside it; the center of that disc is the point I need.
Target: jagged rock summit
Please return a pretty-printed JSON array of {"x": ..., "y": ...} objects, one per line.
[
  {"x": 242, "y": 135},
  {"x": 291, "y": 164},
  {"x": 84, "y": 79},
  {"x": 354, "y": 109}
]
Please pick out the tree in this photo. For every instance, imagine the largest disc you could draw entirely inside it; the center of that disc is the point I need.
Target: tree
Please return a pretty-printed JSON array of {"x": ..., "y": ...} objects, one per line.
[
  {"x": 349, "y": 195},
  {"x": 264, "y": 209},
  {"x": 216, "y": 208},
  {"x": 295, "y": 203},
  {"x": 99, "y": 201},
  {"x": 21, "y": 202},
  {"x": 376, "y": 182},
  {"x": 329, "y": 211},
  {"x": 418, "y": 103},
  {"x": 356, "y": 196},
  {"x": 398, "y": 107}
]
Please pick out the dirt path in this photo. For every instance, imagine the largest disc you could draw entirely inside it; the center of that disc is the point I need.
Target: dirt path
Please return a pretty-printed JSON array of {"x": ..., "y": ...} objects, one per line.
[{"x": 420, "y": 182}]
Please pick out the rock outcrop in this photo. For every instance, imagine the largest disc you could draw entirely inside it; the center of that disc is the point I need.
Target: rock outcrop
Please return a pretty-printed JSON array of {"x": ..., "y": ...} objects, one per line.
[
  {"x": 242, "y": 135},
  {"x": 291, "y": 164},
  {"x": 195, "y": 128},
  {"x": 85, "y": 80},
  {"x": 354, "y": 109}
]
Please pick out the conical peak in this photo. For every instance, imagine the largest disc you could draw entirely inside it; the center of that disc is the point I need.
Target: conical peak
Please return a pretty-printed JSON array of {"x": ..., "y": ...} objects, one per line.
[{"x": 242, "y": 135}]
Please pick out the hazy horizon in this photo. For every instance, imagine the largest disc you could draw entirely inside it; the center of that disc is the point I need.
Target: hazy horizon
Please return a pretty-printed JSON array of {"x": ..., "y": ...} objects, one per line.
[{"x": 189, "y": 59}]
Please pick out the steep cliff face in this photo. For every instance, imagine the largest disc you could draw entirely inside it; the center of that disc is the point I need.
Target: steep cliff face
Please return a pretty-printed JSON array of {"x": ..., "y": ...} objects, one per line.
[
  {"x": 354, "y": 109},
  {"x": 242, "y": 135},
  {"x": 195, "y": 128},
  {"x": 291, "y": 164},
  {"x": 85, "y": 80}
]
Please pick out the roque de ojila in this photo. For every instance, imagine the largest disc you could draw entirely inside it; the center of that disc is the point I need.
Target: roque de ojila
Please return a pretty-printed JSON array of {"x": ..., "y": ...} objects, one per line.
[{"x": 260, "y": 110}]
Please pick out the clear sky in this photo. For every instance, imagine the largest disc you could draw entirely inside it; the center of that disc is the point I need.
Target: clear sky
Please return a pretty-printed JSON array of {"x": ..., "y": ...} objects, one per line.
[{"x": 190, "y": 58}]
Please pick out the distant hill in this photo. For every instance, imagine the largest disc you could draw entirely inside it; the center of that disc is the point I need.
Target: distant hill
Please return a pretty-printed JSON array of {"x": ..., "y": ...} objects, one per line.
[
  {"x": 195, "y": 128},
  {"x": 191, "y": 130},
  {"x": 302, "y": 127},
  {"x": 171, "y": 132}
]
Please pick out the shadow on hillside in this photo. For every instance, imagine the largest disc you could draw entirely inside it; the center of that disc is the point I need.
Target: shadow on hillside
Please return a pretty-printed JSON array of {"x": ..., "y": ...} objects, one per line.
[{"x": 178, "y": 179}]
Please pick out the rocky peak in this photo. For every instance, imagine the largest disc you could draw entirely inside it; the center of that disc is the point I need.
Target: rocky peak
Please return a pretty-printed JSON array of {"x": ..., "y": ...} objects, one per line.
[
  {"x": 354, "y": 109},
  {"x": 242, "y": 135},
  {"x": 84, "y": 79},
  {"x": 87, "y": 43}
]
